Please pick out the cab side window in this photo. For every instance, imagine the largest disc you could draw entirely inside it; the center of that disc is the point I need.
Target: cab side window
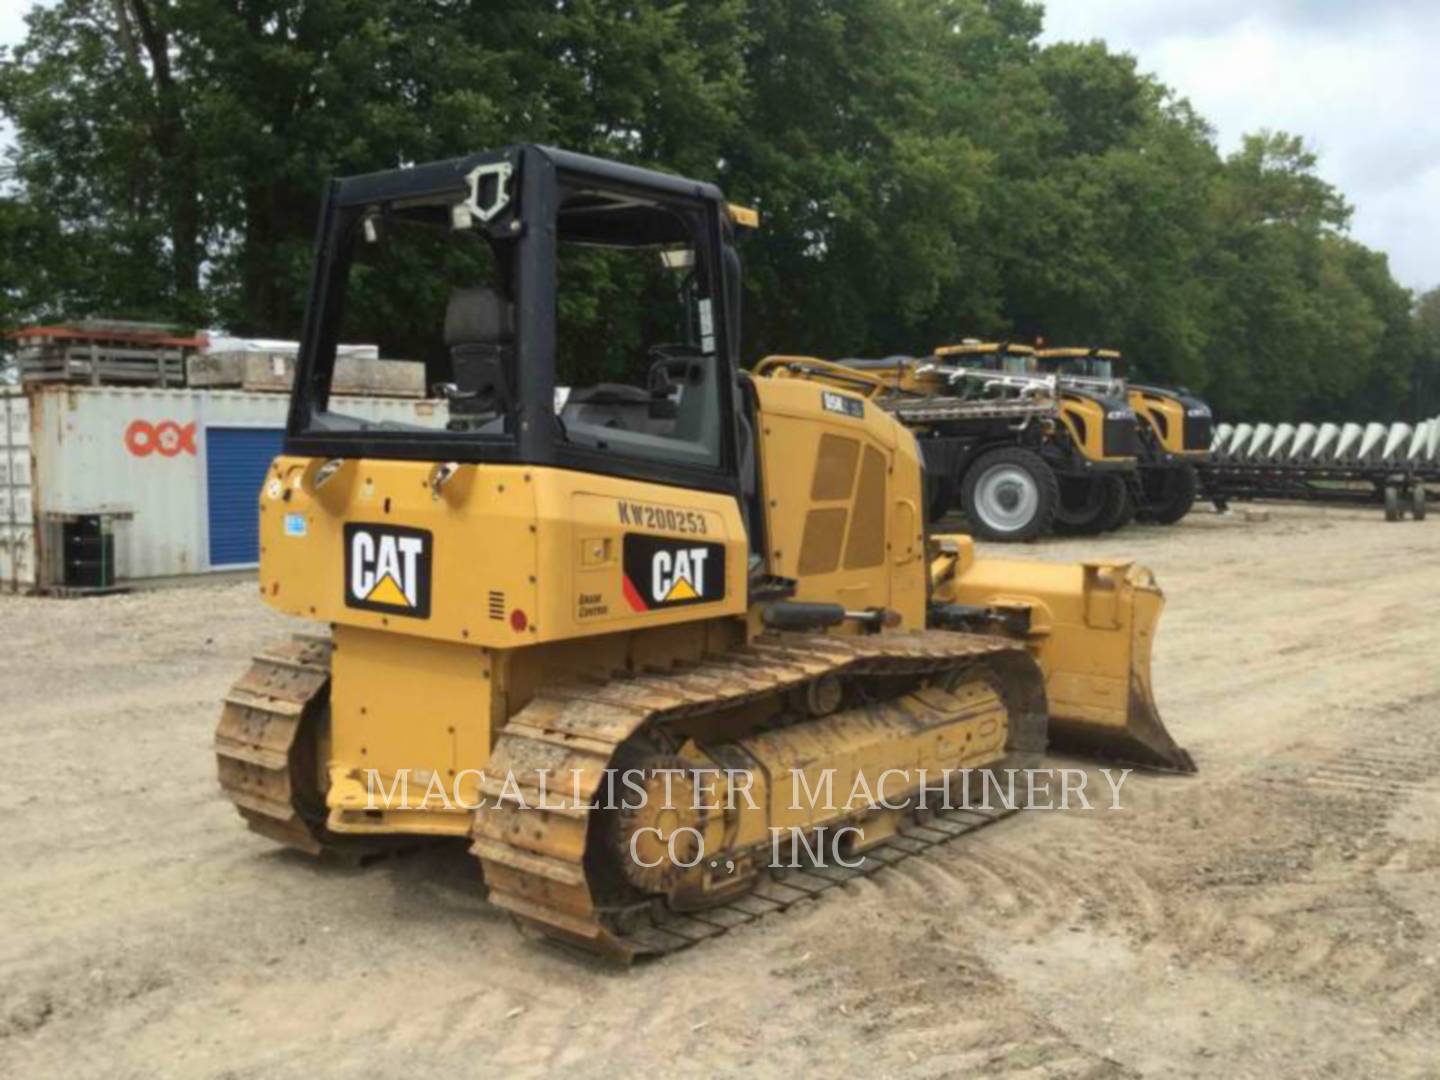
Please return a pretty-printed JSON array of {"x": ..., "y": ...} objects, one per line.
[{"x": 636, "y": 363}]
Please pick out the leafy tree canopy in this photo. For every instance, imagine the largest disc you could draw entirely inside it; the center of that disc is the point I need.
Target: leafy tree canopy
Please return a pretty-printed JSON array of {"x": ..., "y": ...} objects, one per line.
[{"x": 925, "y": 170}]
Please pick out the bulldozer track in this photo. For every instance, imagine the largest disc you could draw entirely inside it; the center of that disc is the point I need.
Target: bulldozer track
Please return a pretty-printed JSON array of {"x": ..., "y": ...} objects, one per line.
[
  {"x": 659, "y": 930},
  {"x": 534, "y": 858},
  {"x": 265, "y": 746}
]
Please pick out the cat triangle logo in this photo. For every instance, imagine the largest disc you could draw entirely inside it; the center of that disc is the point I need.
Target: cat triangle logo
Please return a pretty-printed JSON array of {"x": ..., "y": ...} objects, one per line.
[
  {"x": 663, "y": 573},
  {"x": 387, "y": 569},
  {"x": 387, "y": 591},
  {"x": 681, "y": 590}
]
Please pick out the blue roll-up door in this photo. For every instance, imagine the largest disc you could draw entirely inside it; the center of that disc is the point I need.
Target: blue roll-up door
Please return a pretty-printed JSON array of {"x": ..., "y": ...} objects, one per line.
[{"x": 235, "y": 464}]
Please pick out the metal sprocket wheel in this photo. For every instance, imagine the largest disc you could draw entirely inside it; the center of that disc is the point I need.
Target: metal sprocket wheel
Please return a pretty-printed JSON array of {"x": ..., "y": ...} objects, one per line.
[{"x": 643, "y": 833}]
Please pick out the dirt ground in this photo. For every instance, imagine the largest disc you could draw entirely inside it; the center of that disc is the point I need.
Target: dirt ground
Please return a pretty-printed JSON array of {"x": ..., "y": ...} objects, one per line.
[{"x": 1278, "y": 915}]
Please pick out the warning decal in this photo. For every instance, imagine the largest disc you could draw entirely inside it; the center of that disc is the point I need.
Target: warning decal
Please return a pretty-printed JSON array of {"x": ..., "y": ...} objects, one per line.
[{"x": 662, "y": 572}]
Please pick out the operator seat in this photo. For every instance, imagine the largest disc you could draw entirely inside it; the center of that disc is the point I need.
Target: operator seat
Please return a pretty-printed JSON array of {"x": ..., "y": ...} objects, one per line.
[{"x": 480, "y": 333}]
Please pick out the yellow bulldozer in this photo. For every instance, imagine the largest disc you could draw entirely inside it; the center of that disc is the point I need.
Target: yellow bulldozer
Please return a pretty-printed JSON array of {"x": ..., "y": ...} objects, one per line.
[{"x": 681, "y": 577}]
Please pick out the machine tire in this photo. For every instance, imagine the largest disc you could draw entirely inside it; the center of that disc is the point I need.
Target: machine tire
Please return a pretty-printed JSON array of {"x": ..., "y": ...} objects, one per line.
[
  {"x": 1392, "y": 504},
  {"x": 1026, "y": 477},
  {"x": 937, "y": 505},
  {"x": 1174, "y": 496},
  {"x": 1417, "y": 502},
  {"x": 1109, "y": 506},
  {"x": 1082, "y": 506},
  {"x": 1119, "y": 505}
]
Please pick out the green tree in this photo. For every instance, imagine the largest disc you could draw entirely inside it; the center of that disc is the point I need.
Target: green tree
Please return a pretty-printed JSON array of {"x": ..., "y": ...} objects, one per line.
[
  {"x": 925, "y": 170},
  {"x": 102, "y": 156},
  {"x": 1427, "y": 354},
  {"x": 1310, "y": 324}
]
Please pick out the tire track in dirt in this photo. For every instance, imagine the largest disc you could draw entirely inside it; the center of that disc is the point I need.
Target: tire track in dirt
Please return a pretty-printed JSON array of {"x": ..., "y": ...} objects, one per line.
[
  {"x": 1292, "y": 900},
  {"x": 1280, "y": 888},
  {"x": 932, "y": 1009}
]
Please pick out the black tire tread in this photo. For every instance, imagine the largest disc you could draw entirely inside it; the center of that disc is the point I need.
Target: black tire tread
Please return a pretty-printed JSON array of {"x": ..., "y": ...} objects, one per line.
[
  {"x": 1119, "y": 505},
  {"x": 1181, "y": 490}
]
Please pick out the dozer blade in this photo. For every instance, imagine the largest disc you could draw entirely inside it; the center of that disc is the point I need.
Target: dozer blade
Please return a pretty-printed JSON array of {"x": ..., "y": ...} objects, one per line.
[{"x": 1091, "y": 626}]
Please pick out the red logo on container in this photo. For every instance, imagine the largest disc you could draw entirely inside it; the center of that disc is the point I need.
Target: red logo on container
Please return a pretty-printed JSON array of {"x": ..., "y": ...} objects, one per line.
[{"x": 166, "y": 438}]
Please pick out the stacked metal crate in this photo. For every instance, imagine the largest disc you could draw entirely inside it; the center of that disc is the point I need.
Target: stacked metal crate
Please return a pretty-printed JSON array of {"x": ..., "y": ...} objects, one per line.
[
  {"x": 359, "y": 371},
  {"x": 107, "y": 352},
  {"x": 17, "y": 512},
  {"x": 130, "y": 451}
]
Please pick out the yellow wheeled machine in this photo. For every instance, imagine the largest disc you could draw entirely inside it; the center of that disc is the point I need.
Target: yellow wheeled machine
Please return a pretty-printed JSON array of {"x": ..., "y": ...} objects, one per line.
[
  {"x": 1020, "y": 452},
  {"x": 1175, "y": 429},
  {"x": 989, "y": 431},
  {"x": 1092, "y": 448},
  {"x": 610, "y": 633}
]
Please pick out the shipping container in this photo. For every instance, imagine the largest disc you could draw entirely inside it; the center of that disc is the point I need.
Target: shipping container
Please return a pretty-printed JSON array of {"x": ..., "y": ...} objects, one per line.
[
  {"x": 17, "y": 517},
  {"x": 175, "y": 473}
]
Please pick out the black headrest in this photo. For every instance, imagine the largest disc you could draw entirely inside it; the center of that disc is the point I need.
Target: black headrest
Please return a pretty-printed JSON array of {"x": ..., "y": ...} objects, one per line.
[{"x": 479, "y": 317}]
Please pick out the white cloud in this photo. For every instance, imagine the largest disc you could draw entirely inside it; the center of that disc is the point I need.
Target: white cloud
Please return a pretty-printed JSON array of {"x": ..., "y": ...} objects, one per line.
[
  {"x": 12, "y": 32},
  {"x": 1357, "y": 80},
  {"x": 12, "y": 21}
]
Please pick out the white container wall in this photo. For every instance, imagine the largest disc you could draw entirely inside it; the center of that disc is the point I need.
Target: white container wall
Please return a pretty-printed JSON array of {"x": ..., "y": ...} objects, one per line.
[
  {"x": 165, "y": 460},
  {"x": 17, "y": 529}
]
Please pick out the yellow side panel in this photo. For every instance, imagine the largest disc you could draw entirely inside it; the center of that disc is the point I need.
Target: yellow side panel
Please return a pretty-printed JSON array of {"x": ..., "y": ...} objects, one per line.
[
  {"x": 482, "y": 549},
  {"x": 583, "y": 528},
  {"x": 842, "y": 492},
  {"x": 514, "y": 555},
  {"x": 1082, "y": 415},
  {"x": 1165, "y": 416},
  {"x": 401, "y": 703}
]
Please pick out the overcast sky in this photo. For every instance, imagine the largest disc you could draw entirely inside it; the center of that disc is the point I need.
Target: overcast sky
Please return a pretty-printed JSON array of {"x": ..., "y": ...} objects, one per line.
[
  {"x": 1357, "y": 78},
  {"x": 12, "y": 30}
]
